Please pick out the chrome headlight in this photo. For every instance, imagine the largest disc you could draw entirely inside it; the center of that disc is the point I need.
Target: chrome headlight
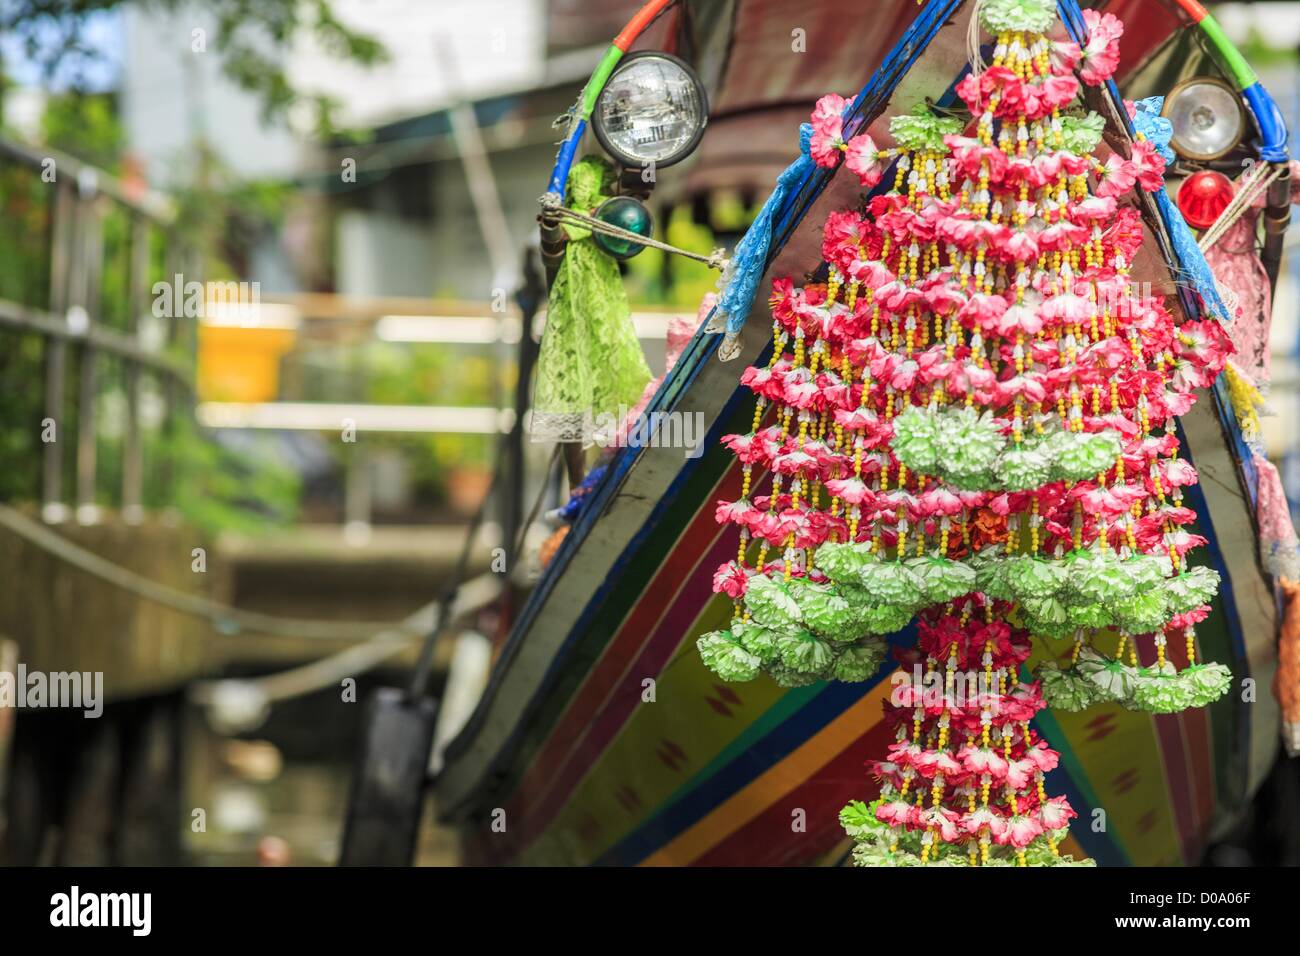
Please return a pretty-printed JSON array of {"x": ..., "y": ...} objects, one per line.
[
  {"x": 652, "y": 111},
  {"x": 1207, "y": 118}
]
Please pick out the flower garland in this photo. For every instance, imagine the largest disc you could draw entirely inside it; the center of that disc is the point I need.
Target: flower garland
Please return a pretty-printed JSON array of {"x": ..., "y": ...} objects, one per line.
[{"x": 970, "y": 423}]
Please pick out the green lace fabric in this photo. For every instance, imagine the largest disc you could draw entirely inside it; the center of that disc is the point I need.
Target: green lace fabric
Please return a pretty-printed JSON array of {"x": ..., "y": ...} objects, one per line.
[{"x": 591, "y": 369}]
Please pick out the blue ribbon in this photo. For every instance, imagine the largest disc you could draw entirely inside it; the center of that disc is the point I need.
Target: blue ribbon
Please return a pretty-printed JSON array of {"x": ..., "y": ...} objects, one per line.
[{"x": 749, "y": 261}]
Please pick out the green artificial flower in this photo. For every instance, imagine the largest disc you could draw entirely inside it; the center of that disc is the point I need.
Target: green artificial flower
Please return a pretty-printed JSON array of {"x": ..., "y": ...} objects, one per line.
[
  {"x": 789, "y": 677},
  {"x": 1045, "y": 612},
  {"x": 1007, "y": 16},
  {"x": 968, "y": 444},
  {"x": 883, "y": 618},
  {"x": 1142, "y": 612},
  {"x": 843, "y": 563},
  {"x": 1191, "y": 589},
  {"x": 804, "y": 653},
  {"x": 942, "y": 578},
  {"x": 1088, "y": 616},
  {"x": 1097, "y": 577},
  {"x": 915, "y": 442},
  {"x": 1039, "y": 853},
  {"x": 1114, "y": 680},
  {"x": 755, "y": 638},
  {"x": 1067, "y": 689},
  {"x": 829, "y": 614},
  {"x": 771, "y": 604},
  {"x": 1206, "y": 683},
  {"x": 726, "y": 658},
  {"x": 859, "y": 662},
  {"x": 892, "y": 582},
  {"x": 858, "y": 819},
  {"x": 923, "y": 130},
  {"x": 991, "y": 578},
  {"x": 1029, "y": 576},
  {"x": 1082, "y": 134},
  {"x": 1146, "y": 570},
  {"x": 1158, "y": 693},
  {"x": 1078, "y": 455},
  {"x": 1023, "y": 468}
]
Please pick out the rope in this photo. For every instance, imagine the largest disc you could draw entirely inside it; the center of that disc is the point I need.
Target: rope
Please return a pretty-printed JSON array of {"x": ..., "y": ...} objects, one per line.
[
  {"x": 974, "y": 56},
  {"x": 360, "y": 658},
  {"x": 1249, "y": 188},
  {"x": 550, "y": 203},
  {"x": 222, "y": 617}
]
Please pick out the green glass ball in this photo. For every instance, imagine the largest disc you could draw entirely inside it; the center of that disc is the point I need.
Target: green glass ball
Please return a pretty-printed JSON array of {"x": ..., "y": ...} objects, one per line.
[{"x": 625, "y": 213}]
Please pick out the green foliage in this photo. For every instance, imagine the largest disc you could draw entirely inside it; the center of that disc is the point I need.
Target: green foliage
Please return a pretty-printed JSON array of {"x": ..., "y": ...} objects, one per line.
[
  {"x": 215, "y": 488},
  {"x": 85, "y": 126}
]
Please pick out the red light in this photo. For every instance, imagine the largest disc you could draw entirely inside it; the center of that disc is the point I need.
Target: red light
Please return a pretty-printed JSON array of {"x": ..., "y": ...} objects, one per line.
[{"x": 1203, "y": 196}]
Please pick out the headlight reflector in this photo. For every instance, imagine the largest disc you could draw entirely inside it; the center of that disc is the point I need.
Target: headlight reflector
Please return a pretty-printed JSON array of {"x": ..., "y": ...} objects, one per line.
[
  {"x": 652, "y": 110},
  {"x": 1207, "y": 118}
]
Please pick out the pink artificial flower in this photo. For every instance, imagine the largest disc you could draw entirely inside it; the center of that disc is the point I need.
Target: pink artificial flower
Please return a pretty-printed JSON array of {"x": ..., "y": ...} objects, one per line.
[
  {"x": 983, "y": 309},
  {"x": 1021, "y": 831},
  {"x": 737, "y": 512},
  {"x": 870, "y": 273},
  {"x": 1177, "y": 472},
  {"x": 1043, "y": 757},
  {"x": 1066, "y": 55},
  {"x": 943, "y": 820},
  {"x": 1117, "y": 177},
  {"x": 1094, "y": 208},
  {"x": 1020, "y": 318},
  {"x": 1101, "y": 52},
  {"x": 1061, "y": 235},
  {"x": 1057, "y": 91},
  {"x": 862, "y": 158},
  {"x": 1056, "y": 813},
  {"x": 1149, "y": 165},
  {"x": 857, "y": 419},
  {"x": 730, "y": 579},
  {"x": 983, "y": 760},
  {"x": 745, "y": 448},
  {"x": 828, "y": 113},
  {"x": 939, "y": 501},
  {"x": 896, "y": 813},
  {"x": 1022, "y": 245},
  {"x": 984, "y": 818},
  {"x": 828, "y": 130},
  {"x": 852, "y": 490},
  {"x": 1068, "y": 307}
]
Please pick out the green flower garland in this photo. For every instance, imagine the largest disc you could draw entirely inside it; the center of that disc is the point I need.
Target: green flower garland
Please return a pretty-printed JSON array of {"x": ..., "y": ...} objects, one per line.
[
  {"x": 1096, "y": 679},
  {"x": 969, "y": 450},
  {"x": 799, "y": 632}
]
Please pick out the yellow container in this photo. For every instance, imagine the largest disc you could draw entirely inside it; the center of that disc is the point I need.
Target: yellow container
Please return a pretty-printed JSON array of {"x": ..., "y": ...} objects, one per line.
[{"x": 241, "y": 364}]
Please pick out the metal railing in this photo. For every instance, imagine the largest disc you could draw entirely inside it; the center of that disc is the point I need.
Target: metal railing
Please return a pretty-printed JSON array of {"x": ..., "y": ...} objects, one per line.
[{"x": 102, "y": 244}]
